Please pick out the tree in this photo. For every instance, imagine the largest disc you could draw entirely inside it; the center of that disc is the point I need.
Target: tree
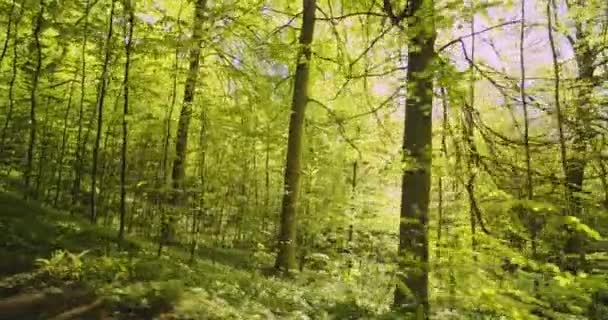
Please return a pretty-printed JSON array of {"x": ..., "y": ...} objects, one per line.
[
  {"x": 101, "y": 95},
  {"x": 130, "y": 20},
  {"x": 37, "y": 65},
  {"x": 181, "y": 139},
  {"x": 417, "y": 151},
  {"x": 286, "y": 257},
  {"x": 79, "y": 144}
]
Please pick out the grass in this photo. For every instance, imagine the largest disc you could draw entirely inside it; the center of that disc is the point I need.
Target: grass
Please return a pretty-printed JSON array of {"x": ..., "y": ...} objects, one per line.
[
  {"x": 43, "y": 249},
  {"x": 29, "y": 231},
  {"x": 219, "y": 284}
]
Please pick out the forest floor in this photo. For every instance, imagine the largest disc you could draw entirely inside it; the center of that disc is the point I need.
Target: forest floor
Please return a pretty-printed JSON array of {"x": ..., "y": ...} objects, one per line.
[{"x": 57, "y": 266}]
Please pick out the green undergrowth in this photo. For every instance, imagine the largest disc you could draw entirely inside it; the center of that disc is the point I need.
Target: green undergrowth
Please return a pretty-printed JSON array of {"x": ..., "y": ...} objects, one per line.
[
  {"x": 43, "y": 249},
  {"x": 46, "y": 248}
]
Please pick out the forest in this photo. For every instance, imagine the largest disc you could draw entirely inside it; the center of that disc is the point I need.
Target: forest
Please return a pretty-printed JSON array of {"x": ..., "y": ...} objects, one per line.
[{"x": 303, "y": 159}]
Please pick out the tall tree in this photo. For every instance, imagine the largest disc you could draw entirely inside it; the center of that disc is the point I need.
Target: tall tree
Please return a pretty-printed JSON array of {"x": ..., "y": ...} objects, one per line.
[
  {"x": 471, "y": 153},
  {"x": 101, "y": 94},
  {"x": 11, "y": 85},
  {"x": 286, "y": 257},
  {"x": 130, "y": 20},
  {"x": 9, "y": 25},
  {"x": 79, "y": 145},
  {"x": 587, "y": 48},
  {"x": 417, "y": 149},
  {"x": 181, "y": 139},
  {"x": 37, "y": 65}
]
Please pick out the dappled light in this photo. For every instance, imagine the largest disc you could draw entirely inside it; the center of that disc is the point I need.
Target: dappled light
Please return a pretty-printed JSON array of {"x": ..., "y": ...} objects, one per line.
[{"x": 309, "y": 159}]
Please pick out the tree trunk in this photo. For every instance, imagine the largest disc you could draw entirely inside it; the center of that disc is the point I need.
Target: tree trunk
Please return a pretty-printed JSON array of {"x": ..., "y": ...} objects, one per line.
[
  {"x": 585, "y": 56},
  {"x": 11, "y": 90},
  {"x": 44, "y": 146},
  {"x": 198, "y": 213},
  {"x": 9, "y": 25},
  {"x": 64, "y": 139},
  {"x": 417, "y": 146},
  {"x": 440, "y": 184},
  {"x": 181, "y": 139},
  {"x": 266, "y": 187},
  {"x": 100, "y": 100},
  {"x": 162, "y": 172},
  {"x": 583, "y": 134},
  {"x": 531, "y": 219},
  {"x": 558, "y": 108},
  {"x": 130, "y": 16},
  {"x": 286, "y": 257},
  {"x": 78, "y": 154},
  {"x": 469, "y": 136},
  {"x": 33, "y": 99}
]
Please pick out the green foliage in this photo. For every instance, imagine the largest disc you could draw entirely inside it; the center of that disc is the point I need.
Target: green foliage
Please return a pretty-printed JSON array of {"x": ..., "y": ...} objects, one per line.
[
  {"x": 63, "y": 265},
  {"x": 217, "y": 242}
]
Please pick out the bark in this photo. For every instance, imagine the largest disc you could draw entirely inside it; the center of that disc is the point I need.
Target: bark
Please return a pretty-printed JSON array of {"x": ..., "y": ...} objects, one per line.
[
  {"x": 556, "y": 97},
  {"x": 64, "y": 139},
  {"x": 11, "y": 92},
  {"x": 130, "y": 16},
  {"x": 198, "y": 213},
  {"x": 531, "y": 217},
  {"x": 266, "y": 184},
  {"x": 47, "y": 127},
  {"x": 469, "y": 135},
  {"x": 577, "y": 162},
  {"x": 9, "y": 25},
  {"x": 79, "y": 146},
  {"x": 417, "y": 147},
  {"x": 585, "y": 55},
  {"x": 286, "y": 257},
  {"x": 100, "y": 101},
  {"x": 34, "y": 99},
  {"x": 163, "y": 164},
  {"x": 604, "y": 181},
  {"x": 440, "y": 184},
  {"x": 181, "y": 139}
]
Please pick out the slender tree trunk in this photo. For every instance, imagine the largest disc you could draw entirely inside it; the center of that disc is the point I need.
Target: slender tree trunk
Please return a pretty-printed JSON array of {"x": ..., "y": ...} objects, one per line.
[
  {"x": 181, "y": 140},
  {"x": 100, "y": 101},
  {"x": 583, "y": 133},
  {"x": 165, "y": 160},
  {"x": 524, "y": 102},
  {"x": 11, "y": 92},
  {"x": 198, "y": 213},
  {"x": 558, "y": 108},
  {"x": 64, "y": 139},
  {"x": 417, "y": 146},
  {"x": 9, "y": 25},
  {"x": 604, "y": 180},
  {"x": 34, "y": 99},
  {"x": 44, "y": 146},
  {"x": 130, "y": 16},
  {"x": 286, "y": 257},
  {"x": 267, "y": 186},
  {"x": 531, "y": 218},
  {"x": 78, "y": 157},
  {"x": 585, "y": 55},
  {"x": 440, "y": 184},
  {"x": 469, "y": 135}
]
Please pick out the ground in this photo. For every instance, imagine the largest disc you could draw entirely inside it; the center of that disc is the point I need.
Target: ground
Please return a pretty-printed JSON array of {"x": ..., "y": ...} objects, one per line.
[{"x": 57, "y": 266}]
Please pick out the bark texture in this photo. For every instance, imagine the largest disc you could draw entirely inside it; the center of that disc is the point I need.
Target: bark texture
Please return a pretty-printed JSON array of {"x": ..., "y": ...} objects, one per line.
[
  {"x": 286, "y": 257},
  {"x": 100, "y": 101},
  {"x": 123, "y": 165},
  {"x": 181, "y": 140},
  {"x": 37, "y": 62},
  {"x": 412, "y": 287}
]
